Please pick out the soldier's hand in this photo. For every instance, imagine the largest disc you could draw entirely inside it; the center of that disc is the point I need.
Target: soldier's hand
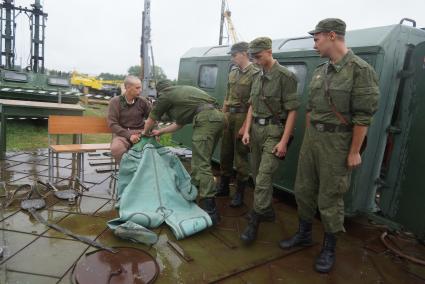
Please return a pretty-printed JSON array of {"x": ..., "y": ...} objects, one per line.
[
  {"x": 241, "y": 132},
  {"x": 156, "y": 132},
  {"x": 134, "y": 138},
  {"x": 353, "y": 160},
  {"x": 245, "y": 139},
  {"x": 280, "y": 150}
]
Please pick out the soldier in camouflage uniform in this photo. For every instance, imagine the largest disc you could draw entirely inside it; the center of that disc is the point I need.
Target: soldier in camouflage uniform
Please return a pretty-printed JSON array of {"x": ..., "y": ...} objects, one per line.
[
  {"x": 269, "y": 125},
  {"x": 343, "y": 98},
  {"x": 235, "y": 107},
  {"x": 185, "y": 105}
]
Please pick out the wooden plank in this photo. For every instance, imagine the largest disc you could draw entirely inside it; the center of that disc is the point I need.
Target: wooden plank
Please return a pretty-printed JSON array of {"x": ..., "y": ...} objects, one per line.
[
  {"x": 59, "y": 124},
  {"x": 33, "y": 104},
  {"x": 106, "y": 169},
  {"x": 103, "y": 163},
  {"x": 79, "y": 148}
]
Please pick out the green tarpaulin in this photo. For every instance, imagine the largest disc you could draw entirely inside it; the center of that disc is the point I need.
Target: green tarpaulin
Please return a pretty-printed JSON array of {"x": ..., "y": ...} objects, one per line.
[{"x": 154, "y": 187}]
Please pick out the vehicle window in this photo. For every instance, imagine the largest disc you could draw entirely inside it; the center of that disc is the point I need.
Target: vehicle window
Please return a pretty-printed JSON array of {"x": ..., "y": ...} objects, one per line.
[
  {"x": 15, "y": 76},
  {"x": 208, "y": 76},
  {"x": 300, "y": 71},
  {"x": 62, "y": 82}
]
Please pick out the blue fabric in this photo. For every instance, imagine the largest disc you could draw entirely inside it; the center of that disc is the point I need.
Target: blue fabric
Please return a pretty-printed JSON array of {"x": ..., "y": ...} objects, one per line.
[{"x": 154, "y": 187}]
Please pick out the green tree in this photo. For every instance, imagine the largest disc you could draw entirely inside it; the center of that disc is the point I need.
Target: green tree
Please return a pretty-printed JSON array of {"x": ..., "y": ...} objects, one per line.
[
  {"x": 109, "y": 76},
  {"x": 136, "y": 70}
]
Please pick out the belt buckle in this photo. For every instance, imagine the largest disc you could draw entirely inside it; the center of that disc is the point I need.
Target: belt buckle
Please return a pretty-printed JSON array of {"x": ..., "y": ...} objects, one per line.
[
  {"x": 320, "y": 127},
  {"x": 262, "y": 121}
]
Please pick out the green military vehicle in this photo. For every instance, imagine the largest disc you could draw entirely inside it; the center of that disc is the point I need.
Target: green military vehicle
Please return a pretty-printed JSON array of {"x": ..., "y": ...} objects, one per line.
[
  {"x": 32, "y": 83},
  {"x": 31, "y": 86},
  {"x": 388, "y": 184}
]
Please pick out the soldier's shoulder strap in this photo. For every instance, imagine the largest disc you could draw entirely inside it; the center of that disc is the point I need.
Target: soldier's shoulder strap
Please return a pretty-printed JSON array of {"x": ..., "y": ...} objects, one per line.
[
  {"x": 340, "y": 117},
  {"x": 233, "y": 72},
  {"x": 256, "y": 70},
  {"x": 253, "y": 69},
  {"x": 360, "y": 62}
]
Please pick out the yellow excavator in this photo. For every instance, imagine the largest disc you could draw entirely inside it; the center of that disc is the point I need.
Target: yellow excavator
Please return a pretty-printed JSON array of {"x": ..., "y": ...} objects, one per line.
[{"x": 95, "y": 86}]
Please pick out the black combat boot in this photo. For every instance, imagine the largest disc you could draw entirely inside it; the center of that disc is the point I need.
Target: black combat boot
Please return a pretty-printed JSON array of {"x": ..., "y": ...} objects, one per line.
[
  {"x": 267, "y": 216},
  {"x": 301, "y": 238},
  {"x": 249, "y": 235},
  {"x": 223, "y": 187},
  {"x": 208, "y": 205},
  {"x": 237, "y": 200},
  {"x": 326, "y": 258}
]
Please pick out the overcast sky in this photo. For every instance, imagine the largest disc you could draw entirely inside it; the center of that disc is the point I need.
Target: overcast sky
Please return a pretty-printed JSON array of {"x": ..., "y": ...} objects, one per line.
[{"x": 94, "y": 36}]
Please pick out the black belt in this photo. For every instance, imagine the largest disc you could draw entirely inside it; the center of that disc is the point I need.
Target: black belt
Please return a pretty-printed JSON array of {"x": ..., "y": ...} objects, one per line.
[
  {"x": 238, "y": 109},
  {"x": 205, "y": 107},
  {"x": 268, "y": 120},
  {"x": 327, "y": 127}
]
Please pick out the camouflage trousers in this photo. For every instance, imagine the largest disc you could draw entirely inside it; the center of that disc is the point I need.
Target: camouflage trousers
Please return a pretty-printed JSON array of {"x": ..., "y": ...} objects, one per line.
[
  {"x": 232, "y": 149},
  {"x": 207, "y": 128},
  {"x": 264, "y": 163},
  {"x": 323, "y": 177}
]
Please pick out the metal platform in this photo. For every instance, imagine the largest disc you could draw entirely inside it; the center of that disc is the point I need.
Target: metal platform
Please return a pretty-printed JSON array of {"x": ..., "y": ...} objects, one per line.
[{"x": 35, "y": 254}]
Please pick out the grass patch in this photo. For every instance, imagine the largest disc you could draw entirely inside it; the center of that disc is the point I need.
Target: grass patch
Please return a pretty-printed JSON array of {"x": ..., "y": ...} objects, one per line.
[
  {"x": 166, "y": 140},
  {"x": 24, "y": 135}
]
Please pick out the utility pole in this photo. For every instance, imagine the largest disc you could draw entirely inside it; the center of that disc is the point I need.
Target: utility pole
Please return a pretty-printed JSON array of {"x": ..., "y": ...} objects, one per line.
[
  {"x": 38, "y": 26},
  {"x": 146, "y": 55},
  {"x": 223, "y": 6},
  {"x": 8, "y": 14},
  {"x": 7, "y": 37}
]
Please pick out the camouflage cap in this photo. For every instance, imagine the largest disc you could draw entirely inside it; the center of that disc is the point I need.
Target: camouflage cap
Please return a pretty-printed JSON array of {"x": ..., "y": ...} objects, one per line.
[
  {"x": 163, "y": 84},
  {"x": 330, "y": 25},
  {"x": 239, "y": 47},
  {"x": 259, "y": 44}
]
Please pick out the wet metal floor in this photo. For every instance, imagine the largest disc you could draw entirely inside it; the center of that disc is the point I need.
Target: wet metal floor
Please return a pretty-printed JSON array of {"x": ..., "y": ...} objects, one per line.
[{"x": 34, "y": 253}]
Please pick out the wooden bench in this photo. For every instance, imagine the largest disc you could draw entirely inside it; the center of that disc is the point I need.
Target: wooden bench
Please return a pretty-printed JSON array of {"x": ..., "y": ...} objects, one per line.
[
  {"x": 76, "y": 126},
  {"x": 18, "y": 108}
]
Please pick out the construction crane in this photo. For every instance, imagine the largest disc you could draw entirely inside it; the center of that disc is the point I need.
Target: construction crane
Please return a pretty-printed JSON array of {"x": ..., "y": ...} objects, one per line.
[
  {"x": 230, "y": 27},
  {"x": 146, "y": 54},
  {"x": 226, "y": 18},
  {"x": 95, "y": 85}
]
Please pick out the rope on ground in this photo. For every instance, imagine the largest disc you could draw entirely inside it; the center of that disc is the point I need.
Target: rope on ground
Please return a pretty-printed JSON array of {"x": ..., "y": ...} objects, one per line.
[{"x": 400, "y": 253}]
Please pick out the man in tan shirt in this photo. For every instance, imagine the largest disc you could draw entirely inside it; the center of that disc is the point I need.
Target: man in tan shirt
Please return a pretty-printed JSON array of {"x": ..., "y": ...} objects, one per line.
[{"x": 126, "y": 117}]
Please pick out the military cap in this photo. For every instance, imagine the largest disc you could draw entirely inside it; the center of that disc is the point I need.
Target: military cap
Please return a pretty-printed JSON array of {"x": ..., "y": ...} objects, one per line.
[
  {"x": 330, "y": 25},
  {"x": 239, "y": 47},
  {"x": 259, "y": 44},
  {"x": 163, "y": 84}
]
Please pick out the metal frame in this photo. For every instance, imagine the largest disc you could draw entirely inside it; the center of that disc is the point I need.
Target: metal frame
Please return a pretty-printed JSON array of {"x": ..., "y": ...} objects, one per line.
[
  {"x": 77, "y": 159},
  {"x": 38, "y": 25}
]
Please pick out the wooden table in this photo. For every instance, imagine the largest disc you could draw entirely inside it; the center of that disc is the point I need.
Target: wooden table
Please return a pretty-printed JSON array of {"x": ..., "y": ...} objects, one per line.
[{"x": 17, "y": 108}]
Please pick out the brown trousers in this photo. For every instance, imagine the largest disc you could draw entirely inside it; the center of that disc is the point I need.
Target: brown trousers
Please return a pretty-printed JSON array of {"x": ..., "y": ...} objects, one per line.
[{"x": 120, "y": 145}]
